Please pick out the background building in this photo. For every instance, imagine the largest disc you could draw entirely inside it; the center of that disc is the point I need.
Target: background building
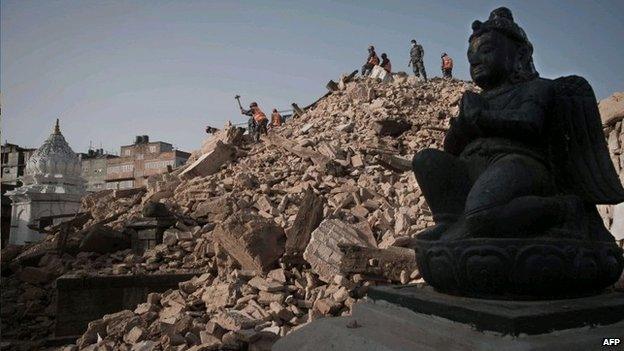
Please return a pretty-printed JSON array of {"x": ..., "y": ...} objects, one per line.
[
  {"x": 141, "y": 160},
  {"x": 14, "y": 160},
  {"x": 94, "y": 168}
]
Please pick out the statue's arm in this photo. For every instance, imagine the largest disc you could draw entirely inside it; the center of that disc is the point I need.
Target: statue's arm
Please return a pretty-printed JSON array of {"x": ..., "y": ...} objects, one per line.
[
  {"x": 525, "y": 122},
  {"x": 458, "y": 136}
]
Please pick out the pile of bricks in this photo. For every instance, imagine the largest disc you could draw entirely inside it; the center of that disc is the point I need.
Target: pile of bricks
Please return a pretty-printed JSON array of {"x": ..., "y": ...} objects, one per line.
[{"x": 284, "y": 231}]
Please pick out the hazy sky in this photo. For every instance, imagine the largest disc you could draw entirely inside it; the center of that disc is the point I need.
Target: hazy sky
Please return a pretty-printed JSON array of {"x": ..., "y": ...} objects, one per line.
[{"x": 115, "y": 69}]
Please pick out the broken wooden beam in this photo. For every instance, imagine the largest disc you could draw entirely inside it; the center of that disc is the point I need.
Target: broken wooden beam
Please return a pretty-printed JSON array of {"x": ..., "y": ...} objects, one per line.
[
  {"x": 394, "y": 163},
  {"x": 307, "y": 220}
]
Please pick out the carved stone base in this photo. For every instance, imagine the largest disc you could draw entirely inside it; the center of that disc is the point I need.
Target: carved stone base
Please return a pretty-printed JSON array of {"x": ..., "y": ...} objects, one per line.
[
  {"x": 519, "y": 268},
  {"x": 507, "y": 317}
]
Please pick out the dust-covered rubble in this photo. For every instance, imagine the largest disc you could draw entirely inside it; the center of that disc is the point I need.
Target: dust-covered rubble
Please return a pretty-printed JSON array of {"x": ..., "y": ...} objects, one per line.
[{"x": 280, "y": 232}]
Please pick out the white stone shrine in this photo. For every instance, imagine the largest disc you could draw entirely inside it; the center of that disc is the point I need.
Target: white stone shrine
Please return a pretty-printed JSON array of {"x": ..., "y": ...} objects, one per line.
[{"x": 52, "y": 186}]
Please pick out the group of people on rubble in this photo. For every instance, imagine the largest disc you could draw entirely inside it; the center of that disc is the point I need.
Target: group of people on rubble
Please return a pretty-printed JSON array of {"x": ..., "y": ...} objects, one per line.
[
  {"x": 416, "y": 61},
  {"x": 258, "y": 123}
]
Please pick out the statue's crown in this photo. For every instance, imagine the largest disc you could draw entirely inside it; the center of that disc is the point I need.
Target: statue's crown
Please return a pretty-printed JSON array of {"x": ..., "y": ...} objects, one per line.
[{"x": 500, "y": 20}]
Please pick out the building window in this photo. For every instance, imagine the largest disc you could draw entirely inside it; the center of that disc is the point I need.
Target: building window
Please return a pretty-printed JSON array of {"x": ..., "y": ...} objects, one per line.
[
  {"x": 120, "y": 168},
  {"x": 127, "y": 152},
  {"x": 126, "y": 184},
  {"x": 152, "y": 148},
  {"x": 158, "y": 164}
]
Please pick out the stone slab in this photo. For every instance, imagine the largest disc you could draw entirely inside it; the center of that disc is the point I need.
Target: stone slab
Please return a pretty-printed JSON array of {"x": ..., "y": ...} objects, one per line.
[
  {"x": 323, "y": 251},
  {"x": 508, "y": 317},
  {"x": 210, "y": 162},
  {"x": 382, "y": 326}
]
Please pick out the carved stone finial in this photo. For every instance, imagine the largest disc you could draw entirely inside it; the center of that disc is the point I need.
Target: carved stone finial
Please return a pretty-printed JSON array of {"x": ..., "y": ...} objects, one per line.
[{"x": 57, "y": 128}]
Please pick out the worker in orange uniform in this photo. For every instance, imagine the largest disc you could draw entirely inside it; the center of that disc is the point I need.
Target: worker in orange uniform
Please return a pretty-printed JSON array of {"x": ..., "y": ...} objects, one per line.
[
  {"x": 259, "y": 120},
  {"x": 447, "y": 66},
  {"x": 276, "y": 119},
  {"x": 371, "y": 61},
  {"x": 385, "y": 63}
]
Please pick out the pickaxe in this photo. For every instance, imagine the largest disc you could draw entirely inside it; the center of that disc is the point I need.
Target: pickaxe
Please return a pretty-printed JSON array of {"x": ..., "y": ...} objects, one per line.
[{"x": 237, "y": 97}]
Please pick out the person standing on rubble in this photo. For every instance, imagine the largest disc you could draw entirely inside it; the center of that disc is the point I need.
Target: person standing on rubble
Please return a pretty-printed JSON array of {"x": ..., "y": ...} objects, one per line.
[
  {"x": 258, "y": 120},
  {"x": 447, "y": 66},
  {"x": 371, "y": 61},
  {"x": 276, "y": 119},
  {"x": 417, "y": 55},
  {"x": 385, "y": 63}
]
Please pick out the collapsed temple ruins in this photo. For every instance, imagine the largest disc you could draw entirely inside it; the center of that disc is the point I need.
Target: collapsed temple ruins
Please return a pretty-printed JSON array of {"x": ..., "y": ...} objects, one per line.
[{"x": 248, "y": 242}]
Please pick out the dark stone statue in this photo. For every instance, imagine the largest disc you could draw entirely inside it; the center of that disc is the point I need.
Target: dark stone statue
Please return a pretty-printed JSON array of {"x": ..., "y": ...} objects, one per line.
[{"x": 514, "y": 192}]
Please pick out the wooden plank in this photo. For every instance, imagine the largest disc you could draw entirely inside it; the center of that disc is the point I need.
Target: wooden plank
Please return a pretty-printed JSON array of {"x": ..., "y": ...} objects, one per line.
[{"x": 308, "y": 219}]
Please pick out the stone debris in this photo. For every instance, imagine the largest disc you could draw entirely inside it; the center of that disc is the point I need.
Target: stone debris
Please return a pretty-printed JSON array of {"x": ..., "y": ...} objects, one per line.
[
  {"x": 612, "y": 109},
  {"x": 210, "y": 162},
  {"x": 380, "y": 73},
  {"x": 391, "y": 127},
  {"x": 255, "y": 242},
  {"x": 323, "y": 252},
  {"x": 612, "y": 114},
  {"x": 263, "y": 224}
]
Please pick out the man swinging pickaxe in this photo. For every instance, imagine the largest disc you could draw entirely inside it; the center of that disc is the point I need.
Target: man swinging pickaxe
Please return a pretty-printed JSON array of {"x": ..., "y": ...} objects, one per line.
[{"x": 257, "y": 122}]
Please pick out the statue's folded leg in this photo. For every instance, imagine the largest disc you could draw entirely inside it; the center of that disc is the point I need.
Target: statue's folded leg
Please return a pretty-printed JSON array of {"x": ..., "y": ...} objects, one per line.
[
  {"x": 513, "y": 196},
  {"x": 444, "y": 182}
]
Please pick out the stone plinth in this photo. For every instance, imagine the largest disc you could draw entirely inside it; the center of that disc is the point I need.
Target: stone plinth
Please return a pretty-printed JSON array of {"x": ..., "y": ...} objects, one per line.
[
  {"x": 382, "y": 326},
  {"x": 507, "y": 317}
]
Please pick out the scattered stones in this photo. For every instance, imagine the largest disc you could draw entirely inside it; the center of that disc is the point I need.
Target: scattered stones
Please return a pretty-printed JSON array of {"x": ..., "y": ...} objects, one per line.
[
  {"x": 391, "y": 127},
  {"x": 612, "y": 109},
  {"x": 612, "y": 114}
]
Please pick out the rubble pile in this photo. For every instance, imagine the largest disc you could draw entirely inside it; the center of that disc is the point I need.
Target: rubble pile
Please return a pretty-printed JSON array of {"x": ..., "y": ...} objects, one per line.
[
  {"x": 281, "y": 232},
  {"x": 298, "y": 226},
  {"x": 27, "y": 311}
]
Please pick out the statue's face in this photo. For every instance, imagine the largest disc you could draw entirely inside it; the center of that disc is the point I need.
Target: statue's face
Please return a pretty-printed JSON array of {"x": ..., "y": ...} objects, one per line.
[{"x": 491, "y": 56}]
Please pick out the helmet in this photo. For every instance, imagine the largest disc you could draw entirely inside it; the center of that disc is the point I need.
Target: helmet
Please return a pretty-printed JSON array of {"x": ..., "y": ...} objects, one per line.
[
  {"x": 253, "y": 104},
  {"x": 371, "y": 48},
  {"x": 443, "y": 54},
  {"x": 413, "y": 41},
  {"x": 384, "y": 55}
]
